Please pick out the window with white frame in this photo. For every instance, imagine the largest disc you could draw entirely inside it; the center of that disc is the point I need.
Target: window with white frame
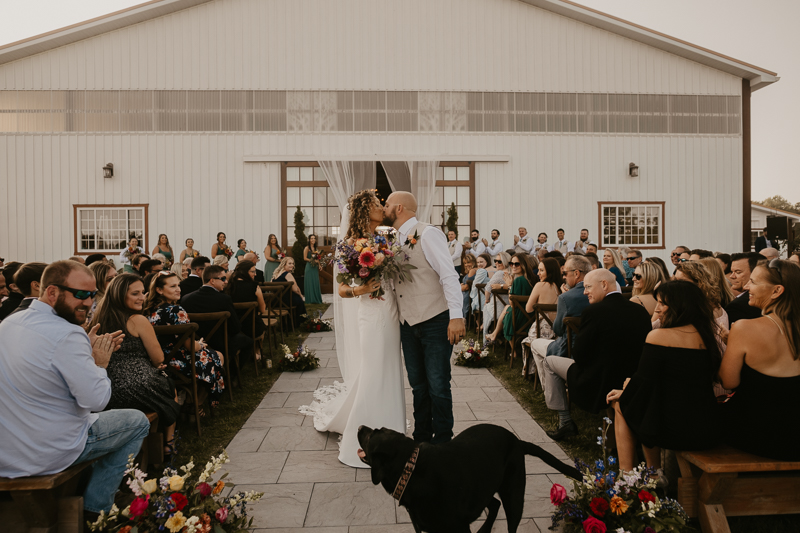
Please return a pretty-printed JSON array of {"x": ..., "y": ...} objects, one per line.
[
  {"x": 107, "y": 228},
  {"x": 637, "y": 224}
]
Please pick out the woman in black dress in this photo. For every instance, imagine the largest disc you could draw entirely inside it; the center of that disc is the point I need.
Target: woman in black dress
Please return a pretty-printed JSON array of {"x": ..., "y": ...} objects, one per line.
[
  {"x": 242, "y": 287},
  {"x": 762, "y": 363},
  {"x": 136, "y": 370},
  {"x": 669, "y": 402},
  {"x": 284, "y": 273}
]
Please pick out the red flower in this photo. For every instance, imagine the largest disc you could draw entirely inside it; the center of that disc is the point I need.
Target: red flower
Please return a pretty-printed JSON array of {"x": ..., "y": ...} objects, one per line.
[
  {"x": 646, "y": 496},
  {"x": 139, "y": 506},
  {"x": 558, "y": 494},
  {"x": 179, "y": 499},
  {"x": 319, "y": 327},
  {"x": 204, "y": 489},
  {"x": 599, "y": 506},
  {"x": 593, "y": 525},
  {"x": 367, "y": 258}
]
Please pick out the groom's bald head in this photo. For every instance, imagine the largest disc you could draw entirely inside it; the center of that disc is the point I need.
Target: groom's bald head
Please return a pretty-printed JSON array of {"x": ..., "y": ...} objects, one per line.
[
  {"x": 406, "y": 199},
  {"x": 400, "y": 207}
]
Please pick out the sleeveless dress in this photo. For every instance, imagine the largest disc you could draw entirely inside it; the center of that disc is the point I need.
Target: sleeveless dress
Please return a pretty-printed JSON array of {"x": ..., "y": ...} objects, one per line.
[
  {"x": 293, "y": 298},
  {"x": 271, "y": 266},
  {"x": 374, "y": 396},
  {"x": 758, "y": 418},
  {"x": 520, "y": 287},
  {"x": 312, "y": 291},
  {"x": 245, "y": 291},
  {"x": 137, "y": 384},
  {"x": 168, "y": 255}
]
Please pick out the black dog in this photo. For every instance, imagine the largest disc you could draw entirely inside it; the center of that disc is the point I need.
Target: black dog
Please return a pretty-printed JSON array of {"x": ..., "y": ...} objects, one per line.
[{"x": 452, "y": 483}]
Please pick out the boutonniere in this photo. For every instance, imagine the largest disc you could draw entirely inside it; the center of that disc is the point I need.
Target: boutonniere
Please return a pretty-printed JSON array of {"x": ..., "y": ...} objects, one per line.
[{"x": 412, "y": 241}]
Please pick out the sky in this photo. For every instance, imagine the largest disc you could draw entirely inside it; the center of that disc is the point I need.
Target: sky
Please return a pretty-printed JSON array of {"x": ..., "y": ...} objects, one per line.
[{"x": 764, "y": 34}]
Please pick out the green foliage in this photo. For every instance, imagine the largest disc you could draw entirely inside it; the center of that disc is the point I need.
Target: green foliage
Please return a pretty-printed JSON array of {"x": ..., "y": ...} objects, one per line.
[
  {"x": 779, "y": 202},
  {"x": 300, "y": 242},
  {"x": 452, "y": 219}
]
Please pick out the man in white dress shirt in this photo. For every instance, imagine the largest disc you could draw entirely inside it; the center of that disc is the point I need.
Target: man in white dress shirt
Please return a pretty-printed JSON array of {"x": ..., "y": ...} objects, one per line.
[
  {"x": 562, "y": 244},
  {"x": 541, "y": 243},
  {"x": 455, "y": 249},
  {"x": 523, "y": 243},
  {"x": 495, "y": 246},
  {"x": 474, "y": 244},
  {"x": 431, "y": 320},
  {"x": 583, "y": 243}
]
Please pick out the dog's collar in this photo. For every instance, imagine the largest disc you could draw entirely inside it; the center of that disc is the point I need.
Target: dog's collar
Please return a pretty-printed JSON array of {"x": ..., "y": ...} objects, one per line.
[{"x": 402, "y": 483}]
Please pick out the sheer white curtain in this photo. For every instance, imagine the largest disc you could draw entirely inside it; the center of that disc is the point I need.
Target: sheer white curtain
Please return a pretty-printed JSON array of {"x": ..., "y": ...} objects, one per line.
[
  {"x": 346, "y": 178},
  {"x": 416, "y": 177}
]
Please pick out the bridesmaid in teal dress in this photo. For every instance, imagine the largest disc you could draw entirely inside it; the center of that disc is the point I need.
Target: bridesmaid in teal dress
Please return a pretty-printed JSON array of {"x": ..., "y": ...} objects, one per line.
[
  {"x": 241, "y": 245},
  {"x": 163, "y": 247},
  {"x": 313, "y": 293},
  {"x": 271, "y": 256}
]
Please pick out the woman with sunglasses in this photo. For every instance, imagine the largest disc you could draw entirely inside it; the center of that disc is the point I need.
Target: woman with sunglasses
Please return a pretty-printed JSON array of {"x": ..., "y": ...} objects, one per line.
[
  {"x": 501, "y": 279},
  {"x": 646, "y": 277},
  {"x": 136, "y": 370},
  {"x": 522, "y": 286},
  {"x": 762, "y": 362},
  {"x": 545, "y": 292}
]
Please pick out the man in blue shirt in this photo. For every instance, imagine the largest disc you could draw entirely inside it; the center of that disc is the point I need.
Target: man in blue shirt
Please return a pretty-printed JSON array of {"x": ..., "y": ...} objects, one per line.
[{"x": 53, "y": 387}]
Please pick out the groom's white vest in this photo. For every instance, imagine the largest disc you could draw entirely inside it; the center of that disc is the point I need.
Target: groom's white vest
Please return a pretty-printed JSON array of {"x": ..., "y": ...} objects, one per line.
[{"x": 423, "y": 298}]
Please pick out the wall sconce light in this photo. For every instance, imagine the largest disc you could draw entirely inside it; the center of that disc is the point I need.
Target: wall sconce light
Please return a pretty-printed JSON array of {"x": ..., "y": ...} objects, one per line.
[
  {"x": 108, "y": 170},
  {"x": 633, "y": 170}
]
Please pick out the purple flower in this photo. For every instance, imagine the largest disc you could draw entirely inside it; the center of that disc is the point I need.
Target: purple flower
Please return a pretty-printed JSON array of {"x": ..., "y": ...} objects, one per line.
[{"x": 364, "y": 272}]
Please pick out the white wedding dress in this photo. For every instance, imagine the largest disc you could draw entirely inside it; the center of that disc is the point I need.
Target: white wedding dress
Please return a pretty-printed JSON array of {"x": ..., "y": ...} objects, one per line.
[{"x": 373, "y": 394}]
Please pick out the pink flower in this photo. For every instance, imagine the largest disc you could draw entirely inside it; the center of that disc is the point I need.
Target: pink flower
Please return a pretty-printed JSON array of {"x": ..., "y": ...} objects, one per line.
[
  {"x": 388, "y": 253},
  {"x": 204, "y": 489},
  {"x": 139, "y": 506},
  {"x": 366, "y": 259},
  {"x": 379, "y": 258},
  {"x": 364, "y": 272},
  {"x": 222, "y": 514},
  {"x": 593, "y": 525},
  {"x": 558, "y": 494}
]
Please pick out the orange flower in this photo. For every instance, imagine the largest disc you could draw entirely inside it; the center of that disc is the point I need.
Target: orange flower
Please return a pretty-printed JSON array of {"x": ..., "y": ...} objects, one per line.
[
  {"x": 618, "y": 505},
  {"x": 413, "y": 241},
  {"x": 219, "y": 487},
  {"x": 124, "y": 529}
]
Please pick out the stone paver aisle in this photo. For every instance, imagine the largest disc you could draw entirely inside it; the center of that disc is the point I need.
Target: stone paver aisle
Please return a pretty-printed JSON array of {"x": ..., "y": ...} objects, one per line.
[{"x": 279, "y": 452}]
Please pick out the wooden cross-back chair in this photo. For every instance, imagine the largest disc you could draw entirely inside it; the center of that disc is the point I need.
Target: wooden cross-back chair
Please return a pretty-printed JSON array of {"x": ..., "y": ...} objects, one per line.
[
  {"x": 248, "y": 319},
  {"x": 220, "y": 318},
  {"x": 284, "y": 306},
  {"x": 540, "y": 312},
  {"x": 521, "y": 325},
  {"x": 499, "y": 305},
  {"x": 271, "y": 317},
  {"x": 186, "y": 335},
  {"x": 573, "y": 325},
  {"x": 482, "y": 296}
]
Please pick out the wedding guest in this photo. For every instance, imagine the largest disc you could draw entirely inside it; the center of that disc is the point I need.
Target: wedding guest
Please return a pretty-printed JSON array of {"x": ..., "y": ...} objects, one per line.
[
  {"x": 481, "y": 277},
  {"x": 179, "y": 269},
  {"x": 93, "y": 258},
  {"x": 54, "y": 398},
  {"x": 161, "y": 258},
  {"x": 104, "y": 274},
  {"x": 136, "y": 370},
  {"x": 545, "y": 292},
  {"x": 613, "y": 263},
  {"x": 455, "y": 249},
  {"x": 697, "y": 273},
  {"x": 762, "y": 362},
  {"x": 633, "y": 258},
  {"x": 521, "y": 286},
  {"x": 594, "y": 261},
  {"x": 470, "y": 266},
  {"x": 724, "y": 261},
  {"x": 195, "y": 278},
  {"x": 150, "y": 266},
  {"x": 15, "y": 297},
  {"x": 523, "y": 243},
  {"x": 28, "y": 281},
  {"x": 161, "y": 309},
  {"x": 253, "y": 258},
  {"x": 242, "y": 287},
  {"x": 669, "y": 402},
  {"x": 283, "y": 273},
  {"x": 494, "y": 246},
  {"x": 241, "y": 249},
  {"x": 490, "y": 268},
  {"x": 770, "y": 253},
  {"x": 189, "y": 252},
  {"x": 591, "y": 248},
  {"x": 474, "y": 245},
  {"x": 135, "y": 264},
  {"x": 127, "y": 254},
  {"x": 718, "y": 278},
  {"x": 186, "y": 266},
  {"x": 501, "y": 279},
  {"x": 220, "y": 247},
  {"x": 562, "y": 244},
  {"x": 742, "y": 265},
  {"x": 311, "y": 256},
  {"x": 271, "y": 253},
  {"x": 698, "y": 253},
  {"x": 603, "y": 355},
  {"x": 222, "y": 261},
  {"x": 676, "y": 254},
  {"x": 664, "y": 274},
  {"x": 762, "y": 241},
  {"x": 646, "y": 277},
  {"x": 163, "y": 247}
]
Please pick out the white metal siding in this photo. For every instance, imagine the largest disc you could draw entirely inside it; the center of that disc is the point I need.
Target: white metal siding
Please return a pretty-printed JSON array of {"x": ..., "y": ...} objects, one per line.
[{"x": 430, "y": 45}]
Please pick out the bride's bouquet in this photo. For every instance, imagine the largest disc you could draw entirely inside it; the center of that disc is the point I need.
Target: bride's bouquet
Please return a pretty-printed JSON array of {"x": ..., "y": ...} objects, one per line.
[{"x": 376, "y": 257}]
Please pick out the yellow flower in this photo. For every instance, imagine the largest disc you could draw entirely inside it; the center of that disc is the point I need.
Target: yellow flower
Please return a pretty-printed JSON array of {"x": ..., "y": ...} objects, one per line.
[
  {"x": 176, "y": 522},
  {"x": 150, "y": 486},
  {"x": 358, "y": 248},
  {"x": 175, "y": 483},
  {"x": 618, "y": 505},
  {"x": 219, "y": 487}
]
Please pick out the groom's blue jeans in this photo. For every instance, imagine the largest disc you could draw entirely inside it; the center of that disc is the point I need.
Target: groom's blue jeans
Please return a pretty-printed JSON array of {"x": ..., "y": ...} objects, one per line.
[{"x": 427, "y": 354}]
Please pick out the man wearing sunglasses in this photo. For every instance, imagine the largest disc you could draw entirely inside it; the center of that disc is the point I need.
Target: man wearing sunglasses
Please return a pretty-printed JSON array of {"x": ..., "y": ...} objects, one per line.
[
  {"x": 54, "y": 389},
  {"x": 634, "y": 258}
]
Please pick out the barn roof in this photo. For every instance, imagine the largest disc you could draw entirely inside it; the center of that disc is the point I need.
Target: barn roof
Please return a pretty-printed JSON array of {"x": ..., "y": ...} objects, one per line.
[{"x": 757, "y": 76}]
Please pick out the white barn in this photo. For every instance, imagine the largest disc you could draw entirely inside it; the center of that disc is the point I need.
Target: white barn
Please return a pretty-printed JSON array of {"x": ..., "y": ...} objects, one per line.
[{"x": 216, "y": 113}]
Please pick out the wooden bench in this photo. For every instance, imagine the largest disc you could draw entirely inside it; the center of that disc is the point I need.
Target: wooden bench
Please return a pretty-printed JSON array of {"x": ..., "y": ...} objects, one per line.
[
  {"x": 710, "y": 486},
  {"x": 46, "y": 504}
]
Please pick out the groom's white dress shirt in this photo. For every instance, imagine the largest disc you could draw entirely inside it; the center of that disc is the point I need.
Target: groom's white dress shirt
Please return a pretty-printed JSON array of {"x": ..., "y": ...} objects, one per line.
[
  {"x": 494, "y": 248},
  {"x": 434, "y": 247},
  {"x": 524, "y": 245}
]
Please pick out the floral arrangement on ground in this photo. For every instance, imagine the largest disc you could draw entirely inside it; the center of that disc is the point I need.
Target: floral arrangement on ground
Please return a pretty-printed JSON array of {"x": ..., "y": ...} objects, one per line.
[
  {"x": 186, "y": 503},
  {"x": 473, "y": 355},
  {"x": 620, "y": 503},
  {"x": 300, "y": 360},
  {"x": 379, "y": 256},
  {"x": 316, "y": 324}
]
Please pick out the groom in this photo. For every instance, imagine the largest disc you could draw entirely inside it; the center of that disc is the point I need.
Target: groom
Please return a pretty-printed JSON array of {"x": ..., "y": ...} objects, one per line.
[{"x": 430, "y": 318}]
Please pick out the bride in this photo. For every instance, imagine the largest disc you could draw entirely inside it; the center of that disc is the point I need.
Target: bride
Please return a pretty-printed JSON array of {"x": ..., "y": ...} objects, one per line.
[{"x": 373, "y": 394}]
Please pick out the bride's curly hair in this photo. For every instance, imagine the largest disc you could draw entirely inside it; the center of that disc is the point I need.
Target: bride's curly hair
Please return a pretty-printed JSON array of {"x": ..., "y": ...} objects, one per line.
[{"x": 359, "y": 205}]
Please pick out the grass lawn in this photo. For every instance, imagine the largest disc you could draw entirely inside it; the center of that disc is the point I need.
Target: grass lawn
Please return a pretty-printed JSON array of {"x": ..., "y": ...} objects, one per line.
[
  {"x": 584, "y": 446},
  {"x": 228, "y": 419}
]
